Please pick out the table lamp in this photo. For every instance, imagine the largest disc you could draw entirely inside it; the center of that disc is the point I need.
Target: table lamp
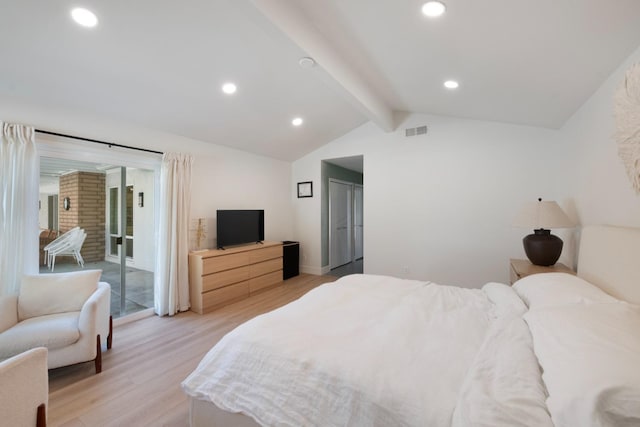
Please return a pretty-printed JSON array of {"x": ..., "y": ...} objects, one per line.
[{"x": 542, "y": 247}]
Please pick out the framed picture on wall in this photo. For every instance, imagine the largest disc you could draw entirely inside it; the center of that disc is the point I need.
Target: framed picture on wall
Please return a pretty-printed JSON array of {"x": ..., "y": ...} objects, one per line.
[{"x": 305, "y": 189}]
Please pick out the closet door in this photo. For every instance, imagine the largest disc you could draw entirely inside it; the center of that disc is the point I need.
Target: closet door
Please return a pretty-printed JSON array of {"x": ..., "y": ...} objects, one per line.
[
  {"x": 340, "y": 223},
  {"x": 358, "y": 226}
]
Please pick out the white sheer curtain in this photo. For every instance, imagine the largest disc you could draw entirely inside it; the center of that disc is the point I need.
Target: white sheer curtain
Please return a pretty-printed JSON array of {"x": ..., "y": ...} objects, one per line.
[
  {"x": 172, "y": 273},
  {"x": 19, "y": 170}
]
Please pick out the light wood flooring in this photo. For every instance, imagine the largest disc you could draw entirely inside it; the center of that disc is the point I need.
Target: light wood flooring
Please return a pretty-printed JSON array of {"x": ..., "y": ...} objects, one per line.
[{"x": 140, "y": 381}]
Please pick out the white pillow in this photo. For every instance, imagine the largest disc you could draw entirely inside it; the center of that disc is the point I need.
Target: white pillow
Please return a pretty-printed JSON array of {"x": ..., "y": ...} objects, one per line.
[
  {"x": 589, "y": 355},
  {"x": 56, "y": 293},
  {"x": 505, "y": 299},
  {"x": 555, "y": 289}
]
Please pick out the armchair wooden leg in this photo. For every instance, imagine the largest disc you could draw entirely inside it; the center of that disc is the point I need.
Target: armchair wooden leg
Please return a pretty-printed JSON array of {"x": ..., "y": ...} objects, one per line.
[
  {"x": 98, "y": 360},
  {"x": 41, "y": 418},
  {"x": 110, "y": 337}
]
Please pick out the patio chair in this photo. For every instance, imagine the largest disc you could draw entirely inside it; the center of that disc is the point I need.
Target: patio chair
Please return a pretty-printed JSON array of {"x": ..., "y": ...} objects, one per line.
[
  {"x": 46, "y": 237},
  {"x": 57, "y": 242},
  {"x": 69, "y": 246}
]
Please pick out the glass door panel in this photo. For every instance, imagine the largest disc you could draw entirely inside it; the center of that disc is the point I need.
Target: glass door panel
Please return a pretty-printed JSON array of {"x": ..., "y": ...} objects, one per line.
[
  {"x": 129, "y": 222},
  {"x": 102, "y": 202},
  {"x": 114, "y": 221}
]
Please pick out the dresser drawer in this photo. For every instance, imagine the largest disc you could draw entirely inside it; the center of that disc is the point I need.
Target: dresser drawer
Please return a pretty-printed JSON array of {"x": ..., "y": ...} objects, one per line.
[
  {"x": 219, "y": 277},
  {"x": 266, "y": 281},
  {"x": 224, "y": 262},
  {"x": 224, "y": 278},
  {"x": 265, "y": 267},
  {"x": 265, "y": 254},
  {"x": 223, "y": 296}
]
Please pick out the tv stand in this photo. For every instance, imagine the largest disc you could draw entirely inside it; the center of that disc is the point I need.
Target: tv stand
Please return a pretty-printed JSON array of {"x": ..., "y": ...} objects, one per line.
[{"x": 220, "y": 277}]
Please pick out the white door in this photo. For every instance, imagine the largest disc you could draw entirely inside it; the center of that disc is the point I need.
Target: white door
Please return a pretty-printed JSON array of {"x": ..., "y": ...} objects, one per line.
[
  {"x": 114, "y": 224},
  {"x": 358, "y": 226},
  {"x": 340, "y": 225}
]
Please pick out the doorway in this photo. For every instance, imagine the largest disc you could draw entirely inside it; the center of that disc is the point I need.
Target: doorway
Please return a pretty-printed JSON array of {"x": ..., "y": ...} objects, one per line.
[
  {"x": 114, "y": 205},
  {"x": 340, "y": 223},
  {"x": 358, "y": 222},
  {"x": 343, "y": 215}
]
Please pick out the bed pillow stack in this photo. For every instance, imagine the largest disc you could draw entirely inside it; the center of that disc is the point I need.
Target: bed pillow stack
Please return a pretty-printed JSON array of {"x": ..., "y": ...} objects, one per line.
[
  {"x": 588, "y": 345},
  {"x": 558, "y": 289}
]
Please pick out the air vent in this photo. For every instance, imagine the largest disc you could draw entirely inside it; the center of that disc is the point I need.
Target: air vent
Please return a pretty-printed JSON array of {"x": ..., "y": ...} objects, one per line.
[{"x": 420, "y": 130}]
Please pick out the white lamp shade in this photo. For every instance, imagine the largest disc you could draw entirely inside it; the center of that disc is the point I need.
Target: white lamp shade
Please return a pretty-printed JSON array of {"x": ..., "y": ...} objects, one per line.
[{"x": 542, "y": 214}]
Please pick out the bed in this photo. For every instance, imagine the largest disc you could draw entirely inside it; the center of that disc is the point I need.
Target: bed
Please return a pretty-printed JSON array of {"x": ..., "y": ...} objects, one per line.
[{"x": 553, "y": 350}]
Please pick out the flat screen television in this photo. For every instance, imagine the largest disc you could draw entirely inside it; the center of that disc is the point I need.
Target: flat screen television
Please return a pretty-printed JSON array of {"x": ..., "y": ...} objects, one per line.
[{"x": 235, "y": 227}]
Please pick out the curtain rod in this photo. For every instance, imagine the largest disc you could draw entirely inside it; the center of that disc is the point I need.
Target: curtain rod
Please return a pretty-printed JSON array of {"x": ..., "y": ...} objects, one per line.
[{"x": 110, "y": 144}]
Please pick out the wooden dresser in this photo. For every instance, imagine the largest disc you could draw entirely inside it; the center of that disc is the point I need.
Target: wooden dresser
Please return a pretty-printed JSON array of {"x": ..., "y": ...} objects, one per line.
[{"x": 220, "y": 277}]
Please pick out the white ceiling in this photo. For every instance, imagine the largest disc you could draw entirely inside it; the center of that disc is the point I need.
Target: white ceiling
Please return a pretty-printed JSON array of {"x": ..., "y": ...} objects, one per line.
[
  {"x": 160, "y": 64},
  {"x": 354, "y": 163},
  {"x": 52, "y": 167}
]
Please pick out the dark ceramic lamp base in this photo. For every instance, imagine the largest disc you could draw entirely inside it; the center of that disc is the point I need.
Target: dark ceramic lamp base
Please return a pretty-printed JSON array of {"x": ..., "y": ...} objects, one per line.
[{"x": 542, "y": 247}]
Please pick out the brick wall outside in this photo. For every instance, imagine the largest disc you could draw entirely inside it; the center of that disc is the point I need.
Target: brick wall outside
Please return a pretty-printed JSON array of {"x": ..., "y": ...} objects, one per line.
[{"x": 86, "y": 191}]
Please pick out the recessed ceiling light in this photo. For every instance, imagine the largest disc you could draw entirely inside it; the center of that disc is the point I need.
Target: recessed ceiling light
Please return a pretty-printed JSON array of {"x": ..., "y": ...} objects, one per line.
[
  {"x": 297, "y": 121},
  {"x": 84, "y": 17},
  {"x": 451, "y": 84},
  {"x": 229, "y": 88},
  {"x": 433, "y": 8},
  {"x": 307, "y": 62}
]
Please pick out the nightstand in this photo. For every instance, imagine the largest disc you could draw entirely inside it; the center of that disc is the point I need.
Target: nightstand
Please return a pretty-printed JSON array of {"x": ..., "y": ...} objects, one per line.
[{"x": 520, "y": 268}]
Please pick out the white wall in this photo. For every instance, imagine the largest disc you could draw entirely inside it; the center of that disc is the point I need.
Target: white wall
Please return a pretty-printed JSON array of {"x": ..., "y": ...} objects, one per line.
[
  {"x": 596, "y": 189},
  {"x": 143, "y": 218},
  {"x": 48, "y": 187},
  {"x": 231, "y": 179},
  {"x": 223, "y": 178},
  {"x": 440, "y": 207},
  {"x": 43, "y": 213},
  {"x": 437, "y": 207}
]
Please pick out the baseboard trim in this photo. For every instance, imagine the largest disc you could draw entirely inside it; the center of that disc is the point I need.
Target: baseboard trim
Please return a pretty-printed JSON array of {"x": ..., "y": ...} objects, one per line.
[
  {"x": 133, "y": 317},
  {"x": 317, "y": 271}
]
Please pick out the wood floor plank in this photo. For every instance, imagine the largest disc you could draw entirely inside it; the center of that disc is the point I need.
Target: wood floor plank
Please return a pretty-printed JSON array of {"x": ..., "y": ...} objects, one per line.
[{"x": 140, "y": 381}]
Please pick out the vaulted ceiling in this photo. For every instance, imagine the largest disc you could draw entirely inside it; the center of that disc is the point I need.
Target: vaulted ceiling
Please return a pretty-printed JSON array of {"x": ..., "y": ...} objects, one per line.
[{"x": 161, "y": 64}]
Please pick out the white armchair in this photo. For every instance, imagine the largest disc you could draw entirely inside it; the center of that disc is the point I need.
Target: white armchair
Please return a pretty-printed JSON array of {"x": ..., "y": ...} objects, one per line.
[
  {"x": 68, "y": 313},
  {"x": 24, "y": 394}
]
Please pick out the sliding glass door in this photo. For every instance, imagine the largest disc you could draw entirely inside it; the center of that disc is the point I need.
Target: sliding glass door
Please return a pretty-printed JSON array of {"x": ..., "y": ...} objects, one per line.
[
  {"x": 131, "y": 207},
  {"x": 115, "y": 205}
]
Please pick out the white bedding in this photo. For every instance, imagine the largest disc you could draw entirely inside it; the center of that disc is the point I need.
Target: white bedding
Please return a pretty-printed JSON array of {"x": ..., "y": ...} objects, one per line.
[
  {"x": 588, "y": 345},
  {"x": 379, "y": 351},
  {"x": 503, "y": 385},
  {"x": 591, "y": 359}
]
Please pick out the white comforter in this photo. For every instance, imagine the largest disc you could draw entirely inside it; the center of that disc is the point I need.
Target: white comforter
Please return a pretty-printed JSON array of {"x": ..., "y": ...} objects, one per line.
[{"x": 380, "y": 351}]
